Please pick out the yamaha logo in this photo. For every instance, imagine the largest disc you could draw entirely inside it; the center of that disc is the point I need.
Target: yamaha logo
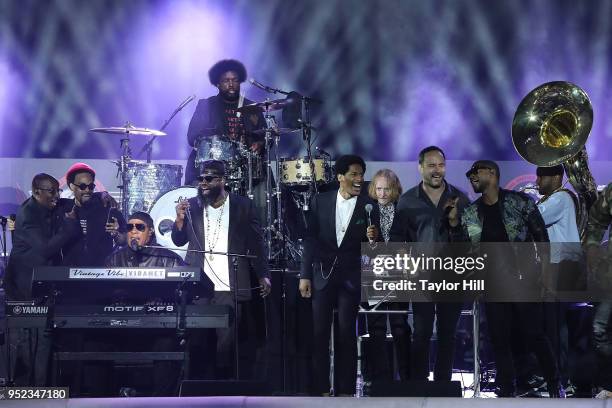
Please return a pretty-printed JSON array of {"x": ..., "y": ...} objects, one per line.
[
  {"x": 17, "y": 310},
  {"x": 29, "y": 310}
]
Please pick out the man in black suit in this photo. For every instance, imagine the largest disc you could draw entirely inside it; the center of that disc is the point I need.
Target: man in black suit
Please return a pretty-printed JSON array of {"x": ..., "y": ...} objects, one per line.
[
  {"x": 219, "y": 221},
  {"x": 331, "y": 271}
]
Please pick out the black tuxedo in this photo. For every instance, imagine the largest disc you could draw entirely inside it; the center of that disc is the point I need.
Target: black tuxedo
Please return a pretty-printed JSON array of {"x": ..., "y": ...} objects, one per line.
[
  {"x": 335, "y": 273},
  {"x": 244, "y": 236}
]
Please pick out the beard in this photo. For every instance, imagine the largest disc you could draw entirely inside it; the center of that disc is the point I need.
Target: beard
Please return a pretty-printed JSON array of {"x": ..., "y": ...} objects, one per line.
[{"x": 210, "y": 196}]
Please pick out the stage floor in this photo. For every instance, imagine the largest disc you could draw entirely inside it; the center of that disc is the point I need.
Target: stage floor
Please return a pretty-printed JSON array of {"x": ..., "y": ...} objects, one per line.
[{"x": 308, "y": 402}]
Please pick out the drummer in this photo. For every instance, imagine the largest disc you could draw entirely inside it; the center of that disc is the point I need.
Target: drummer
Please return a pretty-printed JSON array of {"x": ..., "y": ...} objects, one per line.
[{"x": 218, "y": 115}]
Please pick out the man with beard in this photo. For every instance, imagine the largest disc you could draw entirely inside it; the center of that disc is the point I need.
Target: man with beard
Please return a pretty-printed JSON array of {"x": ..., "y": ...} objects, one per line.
[
  {"x": 500, "y": 216},
  {"x": 39, "y": 235},
  {"x": 219, "y": 221},
  {"x": 331, "y": 272},
  {"x": 218, "y": 115},
  {"x": 565, "y": 271},
  {"x": 101, "y": 225},
  {"x": 421, "y": 218}
]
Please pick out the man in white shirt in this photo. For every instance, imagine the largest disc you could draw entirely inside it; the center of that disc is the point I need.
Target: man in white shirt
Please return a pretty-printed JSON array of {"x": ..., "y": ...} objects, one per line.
[
  {"x": 219, "y": 221},
  {"x": 558, "y": 209},
  {"x": 331, "y": 272}
]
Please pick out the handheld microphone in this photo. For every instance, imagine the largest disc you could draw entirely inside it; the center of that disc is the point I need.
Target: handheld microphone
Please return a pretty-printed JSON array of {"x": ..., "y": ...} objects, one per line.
[
  {"x": 368, "y": 208},
  {"x": 449, "y": 208}
]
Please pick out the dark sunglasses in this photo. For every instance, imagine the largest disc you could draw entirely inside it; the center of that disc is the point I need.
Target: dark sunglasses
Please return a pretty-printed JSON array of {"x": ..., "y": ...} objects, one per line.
[
  {"x": 139, "y": 227},
  {"x": 83, "y": 186},
  {"x": 208, "y": 178}
]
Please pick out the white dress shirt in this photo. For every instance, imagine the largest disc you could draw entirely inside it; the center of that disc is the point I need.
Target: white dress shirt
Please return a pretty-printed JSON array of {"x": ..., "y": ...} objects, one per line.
[
  {"x": 216, "y": 267},
  {"x": 344, "y": 212}
]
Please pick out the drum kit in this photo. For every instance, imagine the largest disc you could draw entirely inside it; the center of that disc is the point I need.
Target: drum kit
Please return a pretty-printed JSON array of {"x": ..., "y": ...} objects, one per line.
[{"x": 156, "y": 188}]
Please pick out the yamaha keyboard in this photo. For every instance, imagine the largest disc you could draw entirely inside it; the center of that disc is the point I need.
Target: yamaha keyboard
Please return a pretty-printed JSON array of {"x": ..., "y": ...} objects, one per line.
[{"x": 31, "y": 315}]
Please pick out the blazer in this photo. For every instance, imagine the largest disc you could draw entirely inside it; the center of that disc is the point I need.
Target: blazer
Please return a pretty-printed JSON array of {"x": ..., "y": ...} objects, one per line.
[
  {"x": 322, "y": 255},
  {"x": 244, "y": 237}
]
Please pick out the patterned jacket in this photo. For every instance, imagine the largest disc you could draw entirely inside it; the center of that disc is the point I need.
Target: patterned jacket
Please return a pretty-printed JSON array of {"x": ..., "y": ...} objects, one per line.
[{"x": 520, "y": 216}]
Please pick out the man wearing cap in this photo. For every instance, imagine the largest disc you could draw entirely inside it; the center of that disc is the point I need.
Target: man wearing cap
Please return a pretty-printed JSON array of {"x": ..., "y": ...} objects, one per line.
[
  {"x": 421, "y": 218},
  {"x": 565, "y": 272},
  {"x": 223, "y": 222},
  {"x": 505, "y": 216},
  {"x": 218, "y": 115},
  {"x": 102, "y": 226}
]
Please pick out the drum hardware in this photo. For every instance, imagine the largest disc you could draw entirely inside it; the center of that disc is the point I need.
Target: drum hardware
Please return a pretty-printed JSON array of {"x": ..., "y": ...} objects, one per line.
[
  {"x": 148, "y": 147},
  {"x": 266, "y": 106},
  {"x": 163, "y": 213},
  {"x": 125, "y": 164}
]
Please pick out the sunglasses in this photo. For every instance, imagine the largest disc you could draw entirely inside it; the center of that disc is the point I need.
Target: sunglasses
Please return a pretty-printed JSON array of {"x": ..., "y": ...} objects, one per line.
[
  {"x": 475, "y": 169},
  {"x": 139, "y": 227},
  {"x": 83, "y": 186},
  {"x": 208, "y": 178}
]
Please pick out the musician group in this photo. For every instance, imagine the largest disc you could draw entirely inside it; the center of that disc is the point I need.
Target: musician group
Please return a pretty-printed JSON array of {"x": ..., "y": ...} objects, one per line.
[{"x": 88, "y": 231}]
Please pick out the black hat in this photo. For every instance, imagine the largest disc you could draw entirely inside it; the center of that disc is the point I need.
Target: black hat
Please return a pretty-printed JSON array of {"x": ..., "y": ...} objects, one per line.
[
  {"x": 482, "y": 164},
  {"x": 216, "y": 167},
  {"x": 550, "y": 171}
]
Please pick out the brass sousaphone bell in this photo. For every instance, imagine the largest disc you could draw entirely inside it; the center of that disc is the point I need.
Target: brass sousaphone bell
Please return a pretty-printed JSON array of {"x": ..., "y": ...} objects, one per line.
[{"x": 550, "y": 127}]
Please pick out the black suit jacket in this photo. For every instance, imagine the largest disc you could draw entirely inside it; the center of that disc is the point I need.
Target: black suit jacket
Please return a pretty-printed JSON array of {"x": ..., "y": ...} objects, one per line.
[
  {"x": 244, "y": 236},
  {"x": 321, "y": 252},
  {"x": 39, "y": 236}
]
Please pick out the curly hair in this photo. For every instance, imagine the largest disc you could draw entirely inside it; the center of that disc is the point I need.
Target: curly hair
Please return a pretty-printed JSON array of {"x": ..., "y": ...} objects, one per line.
[
  {"x": 223, "y": 66},
  {"x": 394, "y": 184}
]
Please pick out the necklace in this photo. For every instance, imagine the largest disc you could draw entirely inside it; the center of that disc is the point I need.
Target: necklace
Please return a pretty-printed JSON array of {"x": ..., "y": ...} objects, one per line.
[{"x": 212, "y": 242}]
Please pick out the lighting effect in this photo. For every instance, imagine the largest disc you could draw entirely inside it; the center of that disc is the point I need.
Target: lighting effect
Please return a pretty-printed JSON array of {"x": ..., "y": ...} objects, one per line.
[{"x": 393, "y": 76}]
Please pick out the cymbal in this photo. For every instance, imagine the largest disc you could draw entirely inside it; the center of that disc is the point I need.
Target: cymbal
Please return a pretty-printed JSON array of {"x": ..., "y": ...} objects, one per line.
[
  {"x": 276, "y": 104},
  {"x": 129, "y": 130}
]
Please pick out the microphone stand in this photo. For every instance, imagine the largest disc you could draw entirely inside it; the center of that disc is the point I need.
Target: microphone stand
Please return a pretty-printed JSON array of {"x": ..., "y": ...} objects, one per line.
[
  {"x": 234, "y": 257},
  {"x": 148, "y": 147}
]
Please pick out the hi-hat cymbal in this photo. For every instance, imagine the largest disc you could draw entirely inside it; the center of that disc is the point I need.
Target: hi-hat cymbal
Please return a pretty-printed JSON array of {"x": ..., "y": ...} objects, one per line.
[
  {"x": 128, "y": 129},
  {"x": 276, "y": 104}
]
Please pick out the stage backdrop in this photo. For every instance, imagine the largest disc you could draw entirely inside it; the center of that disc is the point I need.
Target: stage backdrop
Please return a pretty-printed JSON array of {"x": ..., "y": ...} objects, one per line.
[{"x": 393, "y": 76}]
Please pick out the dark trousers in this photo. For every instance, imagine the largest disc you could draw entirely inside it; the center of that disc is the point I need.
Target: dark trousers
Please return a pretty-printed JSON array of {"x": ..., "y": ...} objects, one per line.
[
  {"x": 529, "y": 318},
  {"x": 558, "y": 334},
  {"x": 377, "y": 359},
  {"x": 213, "y": 351},
  {"x": 602, "y": 338},
  {"x": 446, "y": 326},
  {"x": 30, "y": 354},
  {"x": 345, "y": 297}
]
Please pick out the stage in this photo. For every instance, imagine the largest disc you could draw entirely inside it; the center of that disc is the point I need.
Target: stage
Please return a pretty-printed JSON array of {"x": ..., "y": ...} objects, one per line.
[{"x": 307, "y": 402}]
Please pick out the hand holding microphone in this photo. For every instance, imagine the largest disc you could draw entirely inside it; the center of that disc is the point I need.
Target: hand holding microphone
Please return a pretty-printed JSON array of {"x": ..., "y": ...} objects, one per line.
[
  {"x": 134, "y": 245},
  {"x": 371, "y": 232}
]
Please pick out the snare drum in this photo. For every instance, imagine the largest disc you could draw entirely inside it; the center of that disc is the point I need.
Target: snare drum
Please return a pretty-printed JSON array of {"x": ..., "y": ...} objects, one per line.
[
  {"x": 164, "y": 214},
  {"x": 147, "y": 182},
  {"x": 297, "y": 172},
  {"x": 216, "y": 147}
]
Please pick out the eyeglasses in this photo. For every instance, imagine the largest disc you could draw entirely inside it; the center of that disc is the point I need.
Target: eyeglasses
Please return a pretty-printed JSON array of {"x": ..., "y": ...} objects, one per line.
[
  {"x": 139, "y": 227},
  {"x": 208, "y": 179},
  {"x": 52, "y": 191},
  {"x": 83, "y": 186}
]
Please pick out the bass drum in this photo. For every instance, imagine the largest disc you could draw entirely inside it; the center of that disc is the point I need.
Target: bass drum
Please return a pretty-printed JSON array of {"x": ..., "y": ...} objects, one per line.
[{"x": 163, "y": 213}]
